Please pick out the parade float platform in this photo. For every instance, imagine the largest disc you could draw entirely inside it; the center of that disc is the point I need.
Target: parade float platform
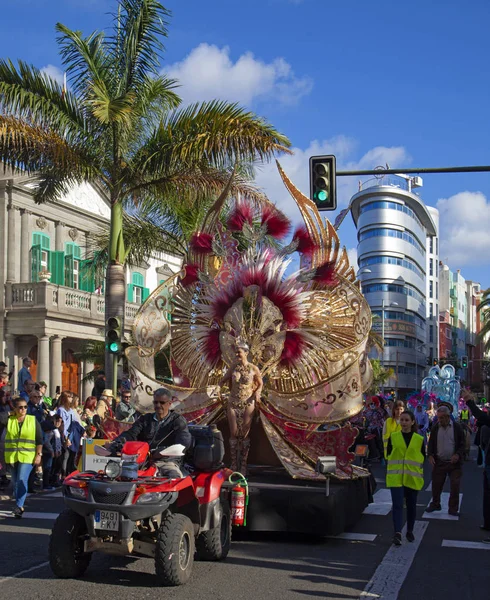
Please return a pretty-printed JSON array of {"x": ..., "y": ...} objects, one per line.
[{"x": 279, "y": 503}]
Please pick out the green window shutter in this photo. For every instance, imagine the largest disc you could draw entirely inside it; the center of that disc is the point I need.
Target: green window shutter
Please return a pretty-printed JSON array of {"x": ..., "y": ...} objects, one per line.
[
  {"x": 45, "y": 242},
  {"x": 76, "y": 251},
  {"x": 69, "y": 271},
  {"x": 145, "y": 294},
  {"x": 35, "y": 262},
  {"x": 138, "y": 279},
  {"x": 36, "y": 239},
  {"x": 57, "y": 267},
  {"x": 87, "y": 282},
  {"x": 130, "y": 292}
]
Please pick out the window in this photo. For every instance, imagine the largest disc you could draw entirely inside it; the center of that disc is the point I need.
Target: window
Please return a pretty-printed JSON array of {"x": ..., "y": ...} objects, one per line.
[
  {"x": 431, "y": 333},
  {"x": 391, "y": 206},
  {"x": 76, "y": 272},
  {"x": 437, "y": 290},
  {"x": 437, "y": 246},
  {"x": 431, "y": 309},
  {"x": 431, "y": 289},
  {"x": 431, "y": 266},
  {"x": 391, "y": 287},
  {"x": 408, "y": 263},
  {"x": 137, "y": 292},
  {"x": 401, "y": 316},
  {"x": 40, "y": 254},
  {"x": 394, "y": 233},
  {"x": 431, "y": 245}
]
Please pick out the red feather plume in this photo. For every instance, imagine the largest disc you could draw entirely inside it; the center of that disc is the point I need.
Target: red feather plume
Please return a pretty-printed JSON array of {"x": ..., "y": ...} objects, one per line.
[
  {"x": 294, "y": 345},
  {"x": 212, "y": 349},
  {"x": 191, "y": 275},
  {"x": 326, "y": 275},
  {"x": 201, "y": 243},
  {"x": 278, "y": 225},
  {"x": 241, "y": 214},
  {"x": 306, "y": 245}
]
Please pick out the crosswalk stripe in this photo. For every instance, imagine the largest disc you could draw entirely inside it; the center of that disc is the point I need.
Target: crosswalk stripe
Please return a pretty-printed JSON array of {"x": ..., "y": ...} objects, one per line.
[
  {"x": 381, "y": 504},
  {"x": 464, "y": 544},
  {"x": 29, "y": 515},
  {"x": 429, "y": 487},
  {"x": 442, "y": 515},
  {"x": 393, "y": 569},
  {"x": 354, "y": 537}
]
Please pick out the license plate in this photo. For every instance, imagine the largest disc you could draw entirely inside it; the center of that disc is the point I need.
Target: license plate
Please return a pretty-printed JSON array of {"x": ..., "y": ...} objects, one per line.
[{"x": 106, "y": 519}]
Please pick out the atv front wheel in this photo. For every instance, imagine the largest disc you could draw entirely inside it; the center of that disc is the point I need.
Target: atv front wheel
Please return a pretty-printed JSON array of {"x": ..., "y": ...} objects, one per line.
[
  {"x": 66, "y": 556},
  {"x": 174, "y": 553},
  {"x": 215, "y": 543}
]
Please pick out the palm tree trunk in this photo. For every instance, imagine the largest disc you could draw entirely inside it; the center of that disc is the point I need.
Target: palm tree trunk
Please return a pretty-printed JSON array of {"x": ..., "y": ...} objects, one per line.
[{"x": 115, "y": 289}]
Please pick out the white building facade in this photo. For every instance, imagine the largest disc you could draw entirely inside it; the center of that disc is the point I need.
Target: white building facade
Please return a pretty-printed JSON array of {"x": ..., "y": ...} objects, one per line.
[
  {"x": 395, "y": 230},
  {"x": 52, "y": 301}
]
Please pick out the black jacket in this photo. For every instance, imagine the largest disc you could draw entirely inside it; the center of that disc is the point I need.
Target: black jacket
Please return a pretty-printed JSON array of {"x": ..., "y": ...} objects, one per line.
[
  {"x": 159, "y": 434},
  {"x": 459, "y": 441},
  {"x": 482, "y": 418}
]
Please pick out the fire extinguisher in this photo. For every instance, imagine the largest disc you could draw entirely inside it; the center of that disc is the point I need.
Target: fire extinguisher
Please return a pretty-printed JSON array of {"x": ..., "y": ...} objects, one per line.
[{"x": 239, "y": 500}]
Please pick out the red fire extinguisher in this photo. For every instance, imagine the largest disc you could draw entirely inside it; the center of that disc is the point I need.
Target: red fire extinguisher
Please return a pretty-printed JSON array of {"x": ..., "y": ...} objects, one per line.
[{"x": 239, "y": 501}]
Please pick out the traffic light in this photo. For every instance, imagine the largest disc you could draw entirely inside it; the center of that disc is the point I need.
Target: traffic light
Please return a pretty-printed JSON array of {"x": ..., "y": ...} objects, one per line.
[
  {"x": 323, "y": 190},
  {"x": 113, "y": 335},
  {"x": 464, "y": 362}
]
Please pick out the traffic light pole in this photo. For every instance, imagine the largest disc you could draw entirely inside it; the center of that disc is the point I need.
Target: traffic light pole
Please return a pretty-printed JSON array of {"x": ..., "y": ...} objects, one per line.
[
  {"x": 472, "y": 169},
  {"x": 115, "y": 361}
]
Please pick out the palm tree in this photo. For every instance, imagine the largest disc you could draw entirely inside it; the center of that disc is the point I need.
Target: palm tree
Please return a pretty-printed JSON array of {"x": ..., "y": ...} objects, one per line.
[
  {"x": 119, "y": 126},
  {"x": 484, "y": 308}
]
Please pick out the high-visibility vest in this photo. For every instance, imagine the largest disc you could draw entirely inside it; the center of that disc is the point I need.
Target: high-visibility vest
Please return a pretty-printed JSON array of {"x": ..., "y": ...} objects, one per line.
[
  {"x": 391, "y": 427},
  {"x": 20, "y": 443},
  {"x": 405, "y": 464},
  {"x": 465, "y": 415}
]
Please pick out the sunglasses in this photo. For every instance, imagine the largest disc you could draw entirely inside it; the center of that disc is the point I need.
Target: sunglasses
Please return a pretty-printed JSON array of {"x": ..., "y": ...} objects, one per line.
[
  {"x": 161, "y": 402},
  {"x": 23, "y": 407}
]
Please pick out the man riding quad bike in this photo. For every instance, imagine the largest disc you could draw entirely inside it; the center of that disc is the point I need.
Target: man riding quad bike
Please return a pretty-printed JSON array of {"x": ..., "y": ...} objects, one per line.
[{"x": 142, "y": 503}]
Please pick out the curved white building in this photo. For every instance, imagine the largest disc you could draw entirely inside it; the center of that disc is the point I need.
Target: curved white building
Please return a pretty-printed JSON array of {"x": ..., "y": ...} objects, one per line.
[{"x": 397, "y": 239}]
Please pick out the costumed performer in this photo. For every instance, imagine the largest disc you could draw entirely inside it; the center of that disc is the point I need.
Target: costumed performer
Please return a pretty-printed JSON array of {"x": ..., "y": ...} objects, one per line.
[{"x": 245, "y": 383}]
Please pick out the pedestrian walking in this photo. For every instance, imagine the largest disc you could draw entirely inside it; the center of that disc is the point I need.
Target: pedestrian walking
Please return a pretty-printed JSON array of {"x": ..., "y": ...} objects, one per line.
[
  {"x": 483, "y": 420},
  {"x": 446, "y": 455},
  {"x": 23, "y": 449},
  {"x": 24, "y": 374},
  {"x": 68, "y": 416},
  {"x": 392, "y": 424},
  {"x": 405, "y": 473}
]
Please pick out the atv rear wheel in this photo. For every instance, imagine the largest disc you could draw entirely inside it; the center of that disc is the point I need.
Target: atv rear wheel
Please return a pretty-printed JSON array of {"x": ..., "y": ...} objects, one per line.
[
  {"x": 215, "y": 543},
  {"x": 66, "y": 556},
  {"x": 174, "y": 553}
]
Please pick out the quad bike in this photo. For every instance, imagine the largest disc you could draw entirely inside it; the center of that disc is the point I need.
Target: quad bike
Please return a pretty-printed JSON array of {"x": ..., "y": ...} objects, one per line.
[{"x": 129, "y": 509}]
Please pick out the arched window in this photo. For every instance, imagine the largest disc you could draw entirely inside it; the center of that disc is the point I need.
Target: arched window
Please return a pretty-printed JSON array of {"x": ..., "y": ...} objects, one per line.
[{"x": 40, "y": 254}]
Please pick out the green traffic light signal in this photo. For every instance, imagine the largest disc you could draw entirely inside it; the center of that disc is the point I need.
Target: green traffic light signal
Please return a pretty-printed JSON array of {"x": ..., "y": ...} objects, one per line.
[
  {"x": 321, "y": 195},
  {"x": 323, "y": 182},
  {"x": 113, "y": 335},
  {"x": 114, "y": 347}
]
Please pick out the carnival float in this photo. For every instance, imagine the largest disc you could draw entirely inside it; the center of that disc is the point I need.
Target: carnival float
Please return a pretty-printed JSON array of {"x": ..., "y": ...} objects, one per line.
[{"x": 277, "y": 359}]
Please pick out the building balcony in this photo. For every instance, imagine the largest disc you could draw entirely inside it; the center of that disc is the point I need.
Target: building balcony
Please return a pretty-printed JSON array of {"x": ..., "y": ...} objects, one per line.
[{"x": 60, "y": 301}]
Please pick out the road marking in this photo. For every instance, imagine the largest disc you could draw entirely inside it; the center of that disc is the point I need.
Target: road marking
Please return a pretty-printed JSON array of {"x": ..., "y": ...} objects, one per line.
[
  {"x": 42, "y": 565},
  {"x": 469, "y": 545},
  {"x": 442, "y": 515},
  {"x": 429, "y": 487},
  {"x": 381, "y": 504},
  {"x": 354, "y": 537},
  {"x": 29, "y": 515},
  {"x": 393, "y": 569}
]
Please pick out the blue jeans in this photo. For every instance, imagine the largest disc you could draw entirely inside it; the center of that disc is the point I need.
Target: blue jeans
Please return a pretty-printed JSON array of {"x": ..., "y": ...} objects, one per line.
[
  {"x": 397, "y": 496},
  {"x": 20, "y": 476}
]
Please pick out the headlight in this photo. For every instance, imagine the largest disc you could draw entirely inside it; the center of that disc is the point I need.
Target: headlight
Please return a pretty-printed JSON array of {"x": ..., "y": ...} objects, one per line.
[
  {"x": 151, "y": 497},
  {"x": 113, "y": 469},
  {"x": 76, "y": 492}
]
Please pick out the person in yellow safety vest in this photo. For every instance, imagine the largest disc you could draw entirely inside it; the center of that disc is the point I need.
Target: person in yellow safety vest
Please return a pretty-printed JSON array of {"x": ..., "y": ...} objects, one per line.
[
  {"x": 392, "y": 424},
  {"x": 464, "y": 416},
  {"x": 405, "y": 473},
  {"x": 23, "y": 449}
]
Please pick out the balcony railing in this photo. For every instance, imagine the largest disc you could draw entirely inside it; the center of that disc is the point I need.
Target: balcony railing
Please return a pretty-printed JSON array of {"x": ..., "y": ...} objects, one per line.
[
  {"x": 391, "y": 180},
  {"x": 59, "y": 299}
]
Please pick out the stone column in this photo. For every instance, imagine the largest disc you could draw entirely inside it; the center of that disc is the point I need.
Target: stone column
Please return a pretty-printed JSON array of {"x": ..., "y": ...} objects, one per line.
[
  {"x": 56, "y": 363},
  {"x": 87, "y": 386},
  {"x": 43, "y": 359},
  {"x": 11, "y": 249},
  {"x": 58, "y": 232},
  {"x": 25, "y": 255},
  {"x": 12, "y": 358}
]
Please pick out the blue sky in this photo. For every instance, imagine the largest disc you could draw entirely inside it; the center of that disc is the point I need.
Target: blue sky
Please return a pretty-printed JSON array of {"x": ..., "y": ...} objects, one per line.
[{"x": 373, "y": 82}]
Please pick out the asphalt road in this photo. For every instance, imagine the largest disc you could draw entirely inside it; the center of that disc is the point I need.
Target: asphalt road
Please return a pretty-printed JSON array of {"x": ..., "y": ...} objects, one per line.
[{"x": 281, "y": 567}]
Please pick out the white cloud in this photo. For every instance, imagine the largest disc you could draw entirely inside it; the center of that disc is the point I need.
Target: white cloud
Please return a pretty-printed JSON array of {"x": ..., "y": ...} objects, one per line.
[
  {"x": 208, "y": 72},
  {"x": 296, "y": 167},
  {"x": 54, "y": 72},
  {"x": 352, "y": 254},
  {"x": 464, "y": 227}
]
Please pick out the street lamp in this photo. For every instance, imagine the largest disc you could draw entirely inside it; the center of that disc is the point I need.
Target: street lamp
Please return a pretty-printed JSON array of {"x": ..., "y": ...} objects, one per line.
[
  {"x": 417, "y": 348},
  {"x": 363, "y": 271},
  {"x": 383, "y": 333}
]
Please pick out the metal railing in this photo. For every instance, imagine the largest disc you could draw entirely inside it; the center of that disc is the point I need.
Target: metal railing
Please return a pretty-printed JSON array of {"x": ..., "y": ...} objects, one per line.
[{"x": 391, "y": 180}]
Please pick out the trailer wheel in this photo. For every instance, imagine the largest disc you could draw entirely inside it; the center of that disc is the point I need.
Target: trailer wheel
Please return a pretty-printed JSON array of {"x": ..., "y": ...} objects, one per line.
[
  {"x": 215, "y": 543},
  {"x": 174, "y": 553},
  {"x": 66, "y": 556}
]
